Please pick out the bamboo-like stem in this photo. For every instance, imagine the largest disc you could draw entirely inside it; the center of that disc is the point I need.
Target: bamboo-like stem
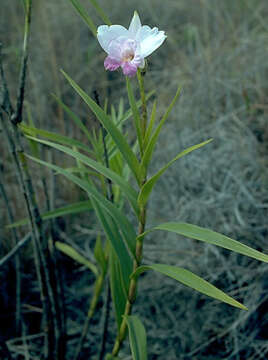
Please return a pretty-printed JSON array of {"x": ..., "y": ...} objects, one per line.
[
  {"x": 13, "y": 137},
  {"x": 15, "y": 241},
  {"x": 139, "y": 242},
  {"x": 17, "y": 116}
]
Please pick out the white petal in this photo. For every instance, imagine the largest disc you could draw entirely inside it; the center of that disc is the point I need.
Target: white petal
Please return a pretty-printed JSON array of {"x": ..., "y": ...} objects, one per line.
[
  {"x": 135, "y": 24},
  {"x": 106, "y": 34},
  {"x": 116, "y": 46},
  {"x": 150, "y": 40}
]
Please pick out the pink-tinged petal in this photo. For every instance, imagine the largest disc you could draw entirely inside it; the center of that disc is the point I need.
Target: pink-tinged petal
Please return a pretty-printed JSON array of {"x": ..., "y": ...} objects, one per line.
[
  {"x": 115, "y": 47},
  {"x": 135, "y": 24},
  {"x": 122, "y": 47},
  {"x": 111, "y": 63},
  {"x": 149, "y": 39},
  {"x": 106, "y": 34},
  {"x": 129, "y": 69}
]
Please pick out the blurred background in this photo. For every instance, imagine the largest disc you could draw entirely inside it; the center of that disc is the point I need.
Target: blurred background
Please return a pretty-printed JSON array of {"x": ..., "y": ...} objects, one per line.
[{"x": 217, "y": 51}]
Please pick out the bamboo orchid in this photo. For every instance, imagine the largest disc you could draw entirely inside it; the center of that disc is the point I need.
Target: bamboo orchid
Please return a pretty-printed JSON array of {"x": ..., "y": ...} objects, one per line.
[{"x": 128, "y": 47}]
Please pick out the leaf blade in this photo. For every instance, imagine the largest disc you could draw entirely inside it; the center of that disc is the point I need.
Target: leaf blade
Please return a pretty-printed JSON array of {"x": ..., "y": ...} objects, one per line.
[
  {"x": 191, "y": 280},
  {"x": 148, "y": 186},
  {"x": 118, "y": 138},
  {"x": 84, "y": 15},
  {"x": 73, "y": 254},
  {"x": 148, "y": 152},
  {"x": 130, "y": 193},
  {"x": 74, "y": 208},
  {"x": 124, "y": 224},
  {"x": 212, "y": 237},
  {"x": 137, "y": 337}
]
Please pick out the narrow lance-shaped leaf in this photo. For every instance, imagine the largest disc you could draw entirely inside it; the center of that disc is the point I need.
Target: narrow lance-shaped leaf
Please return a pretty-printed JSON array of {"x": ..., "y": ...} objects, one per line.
[
  {"x": 148, "y": 152},
  {"x": 118, "y": 138},
  {"x": 116, "y": 241},
  {"x": 34, "y": 132},
  {"x": 100, "y": 12},
  {"x": 72, "y": 253},
  {"x": 75, "y": 208},
  {"x": 99, "y": 254},
  {"x": 130, "y": 193},
  {"x": 187, "y": 278},
  {"x": 150, "y": 126},
  {"x": 210, "y": 237},
  {"x": 84, "y": 15},
  {"x": 33, "y": 145},
  {"x": 148, "y": 186},
  {"x": 118, "y": 293},
  {"x": 125, "y": 226},
  {"x": 137, "y": 338}
]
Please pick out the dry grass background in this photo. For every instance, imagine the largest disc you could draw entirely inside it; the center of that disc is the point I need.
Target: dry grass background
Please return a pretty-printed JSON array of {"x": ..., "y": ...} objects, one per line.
[{"x": 218, "y": 50}]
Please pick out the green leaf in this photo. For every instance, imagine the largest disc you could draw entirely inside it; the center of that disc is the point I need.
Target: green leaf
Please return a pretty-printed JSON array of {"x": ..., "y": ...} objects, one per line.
[
  {"x": 84, "y": 15},
  {"x": 150, "y": 147},
  {"x": 100, "y": 12},
  {"x": 130, "y": 193},
  {"x": 211, "y": 237},
  {"x": 99, "y": 255},
  {"x": 137, "y": 338},
  {"x": 116, "y": 241},
  {"x": 34, "y": 132},
  {"x": 117, "y": 290},
  {"x": 150, "y": 126},
  {"x": 124, "y": 224},
  {"x": 195, "y": 282},
  {"x": 72, "y": 253},
  {"x": 135, "y": 111},
  {"x": 148, "y": 186},
  {"x": 33, "y": 145},
  {"x": 75, "y": 208},
  {"x": 111, "y": 128}
]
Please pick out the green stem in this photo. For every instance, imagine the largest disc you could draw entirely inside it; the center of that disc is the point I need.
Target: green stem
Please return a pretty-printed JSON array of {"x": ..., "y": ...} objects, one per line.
[
  {"x": 139, "y": 243},
  {"x": 140, "y": 76},
  {"x": 132, "y": 286}
]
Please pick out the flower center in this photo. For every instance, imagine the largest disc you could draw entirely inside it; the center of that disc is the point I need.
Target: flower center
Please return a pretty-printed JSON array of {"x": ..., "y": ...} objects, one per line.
[
  {"x": 128, "y": 50},
  {"x": 127, "y": 55}
]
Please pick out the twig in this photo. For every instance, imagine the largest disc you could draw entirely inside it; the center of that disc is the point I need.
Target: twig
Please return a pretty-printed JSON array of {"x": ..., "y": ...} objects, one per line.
[
  {"x": 15, "y": 249},
  {"x": 5, "y": 103},
  {"x": 17, "y": 152},
  {"x": 17, "y": 260},
  {"x": 17, "y": 116}
]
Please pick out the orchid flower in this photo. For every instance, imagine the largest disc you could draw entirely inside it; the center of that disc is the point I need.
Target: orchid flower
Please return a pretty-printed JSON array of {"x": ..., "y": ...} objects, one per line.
[{"x": 128, "y": 48}]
